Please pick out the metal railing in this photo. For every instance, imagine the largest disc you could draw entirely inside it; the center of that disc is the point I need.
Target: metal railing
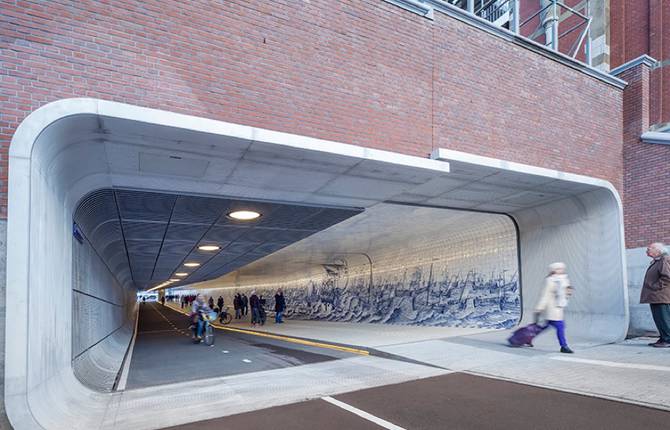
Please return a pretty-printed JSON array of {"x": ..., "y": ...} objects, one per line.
[{"x": 546, "y": 25}]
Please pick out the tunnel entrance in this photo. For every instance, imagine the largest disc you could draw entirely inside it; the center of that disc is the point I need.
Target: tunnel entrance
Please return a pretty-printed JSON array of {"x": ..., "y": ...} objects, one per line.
[
  {"x": 395, "y": 264},
  {"x": 68, "y": 149}
]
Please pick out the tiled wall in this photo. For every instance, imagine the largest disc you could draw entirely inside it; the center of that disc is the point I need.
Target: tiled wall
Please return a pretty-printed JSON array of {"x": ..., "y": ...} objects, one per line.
[{"x": 467, "y": 277}]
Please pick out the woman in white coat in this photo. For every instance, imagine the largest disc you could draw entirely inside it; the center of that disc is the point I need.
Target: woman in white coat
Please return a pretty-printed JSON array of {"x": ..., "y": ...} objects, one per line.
[{"x": 554, "y": 299}]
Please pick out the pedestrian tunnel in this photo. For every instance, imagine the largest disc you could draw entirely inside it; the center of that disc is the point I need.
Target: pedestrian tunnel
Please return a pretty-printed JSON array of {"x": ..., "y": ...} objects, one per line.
[{"x": 107, "y": 198}]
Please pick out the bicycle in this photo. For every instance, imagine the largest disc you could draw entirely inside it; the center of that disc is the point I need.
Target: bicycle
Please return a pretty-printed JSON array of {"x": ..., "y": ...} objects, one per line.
[
  {"x": 225, "y": 317},
  {"x": 207, "y": 330}
]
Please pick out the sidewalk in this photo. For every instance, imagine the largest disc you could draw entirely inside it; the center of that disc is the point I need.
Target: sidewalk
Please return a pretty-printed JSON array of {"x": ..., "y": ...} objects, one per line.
[{"x": 629, "y": 371}]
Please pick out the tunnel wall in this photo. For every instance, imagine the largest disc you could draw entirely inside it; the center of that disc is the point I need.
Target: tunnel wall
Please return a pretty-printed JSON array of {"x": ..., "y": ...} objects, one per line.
[
  {"x": 462, "y": 272},
  {"x": 102, "y": 320},
  {"x": 585, "y": 232}
]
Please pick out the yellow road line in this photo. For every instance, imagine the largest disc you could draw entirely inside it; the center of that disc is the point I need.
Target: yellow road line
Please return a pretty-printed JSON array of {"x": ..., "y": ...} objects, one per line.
[{"x": 285, "y": 338}]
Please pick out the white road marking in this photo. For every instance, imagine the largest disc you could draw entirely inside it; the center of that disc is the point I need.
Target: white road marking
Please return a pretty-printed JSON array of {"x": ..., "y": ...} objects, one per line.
[
  {"x": 246, "y": 360},
  {"x": 613, "y": 364},
  {"x": 380, "y": 422},
  {"x": 225, "y": 352}
]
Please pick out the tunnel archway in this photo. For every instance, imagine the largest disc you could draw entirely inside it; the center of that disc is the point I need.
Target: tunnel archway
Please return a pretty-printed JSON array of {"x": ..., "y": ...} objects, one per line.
[{"x": 67, "y": 149}]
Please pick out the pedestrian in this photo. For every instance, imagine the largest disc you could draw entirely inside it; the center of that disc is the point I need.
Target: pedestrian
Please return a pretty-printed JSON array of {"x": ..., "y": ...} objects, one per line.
[
  {"x": 237, "y": 304},
  {"x": 280, "y": 305},
  {"x": 656, "y": 292},
  {"x": 219, "y": 303},
  {"x": 163, "y": 300},
  {"x": 254, "y": 304},
  {"x": 245, "y": 304},
  {"x": 261, "y": 309},
  {"x": 554, "y": 299},
  {"x": 210, "y": 302}
]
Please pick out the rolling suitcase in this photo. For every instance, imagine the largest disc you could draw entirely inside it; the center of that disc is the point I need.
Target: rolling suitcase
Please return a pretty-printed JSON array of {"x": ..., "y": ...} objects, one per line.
[{"x": 525, "y": 335}]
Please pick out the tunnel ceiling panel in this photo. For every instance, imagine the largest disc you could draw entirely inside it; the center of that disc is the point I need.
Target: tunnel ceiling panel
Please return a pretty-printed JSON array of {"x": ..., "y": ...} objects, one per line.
[{"x": 152, "y": 235}]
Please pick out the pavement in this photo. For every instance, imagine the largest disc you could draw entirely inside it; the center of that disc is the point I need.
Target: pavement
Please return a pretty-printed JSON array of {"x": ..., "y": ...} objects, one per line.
[
  {"x": 596, "y": 380},
  {"x": 454, "y": 401}
]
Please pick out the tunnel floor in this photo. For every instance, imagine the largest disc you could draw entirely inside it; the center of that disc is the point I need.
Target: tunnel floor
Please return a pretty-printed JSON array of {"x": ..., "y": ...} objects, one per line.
[
  {"x": 455, "y": 401},
  {"x": 164, "y": 352}
]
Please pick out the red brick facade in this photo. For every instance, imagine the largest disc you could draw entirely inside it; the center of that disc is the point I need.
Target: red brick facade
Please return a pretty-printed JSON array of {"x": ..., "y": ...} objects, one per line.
[
  {"x": 356, "y": 71},
  {"x": 637, "y": 28},
  {"x": 643, "y": 27}
]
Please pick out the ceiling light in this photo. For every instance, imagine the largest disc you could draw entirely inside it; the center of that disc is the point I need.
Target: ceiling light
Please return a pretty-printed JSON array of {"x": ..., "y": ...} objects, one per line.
[
  {"x": 244, "y": 215},
  {"x": 175, "y": 280},
  {"x": 209, "y": 248},
  {"x": 193, "y": 264},
  {"x": 181, "y": 274}
]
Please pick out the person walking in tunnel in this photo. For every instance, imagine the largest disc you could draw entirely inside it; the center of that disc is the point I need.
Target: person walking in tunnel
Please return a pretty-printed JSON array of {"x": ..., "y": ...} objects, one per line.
[
  {"x": 254, "y": 304},
  {"x": 261, "y": 309},
  {"x": 219, "y": 303},
  {"x": 211, "y": 302},
  {"x": 280, "y": 305},
  {"x": 656, "y": 292},
  {"x": 237, "y": 305},
  {"x": 245, "y": 305},
  {"x": 555, "y": 295}
]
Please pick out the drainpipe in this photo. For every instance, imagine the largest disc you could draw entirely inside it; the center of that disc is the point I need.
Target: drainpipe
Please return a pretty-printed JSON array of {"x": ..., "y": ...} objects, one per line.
[{"x": 550, "y": 24}]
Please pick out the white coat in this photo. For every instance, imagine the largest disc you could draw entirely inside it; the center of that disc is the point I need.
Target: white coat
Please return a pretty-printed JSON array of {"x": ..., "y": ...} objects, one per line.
[{"x": 554, "y": 297}]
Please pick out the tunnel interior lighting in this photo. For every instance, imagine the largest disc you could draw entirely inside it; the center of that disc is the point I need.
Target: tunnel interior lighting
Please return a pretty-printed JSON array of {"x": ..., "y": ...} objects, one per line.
[
  {"x": 181, "y": 274},
  {"x": 209, "y": 247},
  {"x": 192, "y": 264},
  {"x": 244, "y": 215},
  {"x": 175, "y": 280}
]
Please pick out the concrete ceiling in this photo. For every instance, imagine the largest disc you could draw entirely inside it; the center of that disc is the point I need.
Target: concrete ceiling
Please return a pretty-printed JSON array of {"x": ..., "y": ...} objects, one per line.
[
  {"x": 146, "y": 237},
  {"x": 237, "y": 162}
]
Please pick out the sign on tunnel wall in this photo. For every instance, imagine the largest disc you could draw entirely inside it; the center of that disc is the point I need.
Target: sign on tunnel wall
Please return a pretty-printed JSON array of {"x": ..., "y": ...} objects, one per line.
[{"x": 464, "y": 275}]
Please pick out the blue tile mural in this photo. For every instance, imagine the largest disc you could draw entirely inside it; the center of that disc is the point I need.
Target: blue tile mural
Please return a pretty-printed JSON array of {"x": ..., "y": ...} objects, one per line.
[
  {"x": 447, "y": 269},
  {"x": 423, "y": 296}
]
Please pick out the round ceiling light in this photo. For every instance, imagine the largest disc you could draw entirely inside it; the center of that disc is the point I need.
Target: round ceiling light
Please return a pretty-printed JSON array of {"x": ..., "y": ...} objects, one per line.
[
  {"x": 244, "y": 215},
  {"x": 193, "y": 264},
  {"x": 209, "y": 247},
  {"x": 181, "y": 274}
]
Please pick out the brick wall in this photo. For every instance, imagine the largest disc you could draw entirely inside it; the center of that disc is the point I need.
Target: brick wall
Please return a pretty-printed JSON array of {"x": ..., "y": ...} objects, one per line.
[
  {"x": 643, "y": 27},
  {"x": 357, "y": 71},
  {"x": 646, "y": 201}
]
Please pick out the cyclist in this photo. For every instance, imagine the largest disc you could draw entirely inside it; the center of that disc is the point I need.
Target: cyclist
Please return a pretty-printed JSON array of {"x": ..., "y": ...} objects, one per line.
[{"x": 197, "y": 315}]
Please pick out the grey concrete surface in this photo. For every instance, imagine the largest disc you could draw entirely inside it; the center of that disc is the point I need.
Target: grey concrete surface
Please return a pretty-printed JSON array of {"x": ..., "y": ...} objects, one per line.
[
  {"x": 103, "y": 318},
  {"x": 164, "y": 333},
  {"x": 454, "y": 401},
  {"x": 4, "y": 423}
]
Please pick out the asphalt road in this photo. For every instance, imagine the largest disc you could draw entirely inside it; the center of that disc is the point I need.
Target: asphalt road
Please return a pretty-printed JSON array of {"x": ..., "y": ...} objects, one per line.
[
  {"x": 164, "y": 352},
  {"x": 454, "y": 401}
]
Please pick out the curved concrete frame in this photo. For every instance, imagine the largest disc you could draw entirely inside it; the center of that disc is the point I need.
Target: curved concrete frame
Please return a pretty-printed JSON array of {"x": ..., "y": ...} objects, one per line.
[{"x": 57, "y": 155}]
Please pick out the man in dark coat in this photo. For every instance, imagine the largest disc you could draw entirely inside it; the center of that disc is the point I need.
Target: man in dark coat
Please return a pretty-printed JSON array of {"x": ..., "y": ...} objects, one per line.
[
  {"x": 219, "y": 303},
  {"x": 254, "y": 304},
  {"x": 656, "y": 292},
  {"x": 280, "y": 305},
  {"x": 237, "y": 304},
  {"x": 245, "y": 304}
]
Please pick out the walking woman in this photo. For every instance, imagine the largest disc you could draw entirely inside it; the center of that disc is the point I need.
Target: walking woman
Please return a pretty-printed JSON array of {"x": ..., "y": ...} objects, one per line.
[{"x": 554, "y": 299}]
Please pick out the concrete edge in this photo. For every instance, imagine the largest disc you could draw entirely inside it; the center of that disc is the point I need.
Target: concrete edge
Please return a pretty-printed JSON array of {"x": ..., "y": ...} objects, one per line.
[{"x": 644, "y": 59}]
